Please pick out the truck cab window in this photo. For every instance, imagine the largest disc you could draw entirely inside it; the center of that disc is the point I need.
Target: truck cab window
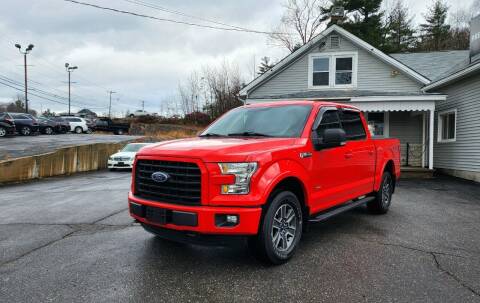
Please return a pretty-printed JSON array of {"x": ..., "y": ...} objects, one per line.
[
  {"x": 329, "y": 120},
  {"x": 352, "y": 125}
]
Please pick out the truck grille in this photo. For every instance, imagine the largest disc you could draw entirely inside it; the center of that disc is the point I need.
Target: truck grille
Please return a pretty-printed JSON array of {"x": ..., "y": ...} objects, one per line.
[{"x": 182, "y": 187}]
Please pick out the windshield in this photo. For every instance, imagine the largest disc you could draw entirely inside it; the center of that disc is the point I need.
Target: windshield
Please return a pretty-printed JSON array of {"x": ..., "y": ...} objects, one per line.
[
  {"x": 278, "y": 121},
  {"x": 131, "y": 148}
]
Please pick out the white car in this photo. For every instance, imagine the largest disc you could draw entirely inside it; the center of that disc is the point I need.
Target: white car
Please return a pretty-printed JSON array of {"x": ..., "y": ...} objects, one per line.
[
  {"x": 125, "y": 157},
  {"x": 141, "y": 113},
  {"x": 77, "y": 125}
]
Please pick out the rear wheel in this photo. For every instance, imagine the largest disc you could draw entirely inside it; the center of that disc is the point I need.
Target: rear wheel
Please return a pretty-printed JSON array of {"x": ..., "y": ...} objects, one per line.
[
  {"x": 26, "y": 131},
  {"x": 49, "y": 130},
  {"x": 281, "y": 229},
  {"x": 3, "y": 131},
  {"x": 383, "y": 198},
  {"x": 78, "y": 130}
]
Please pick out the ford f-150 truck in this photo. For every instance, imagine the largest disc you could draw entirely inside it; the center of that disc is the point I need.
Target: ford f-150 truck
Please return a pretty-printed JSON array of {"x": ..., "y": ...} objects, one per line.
[{"x": 264, "y": 171}]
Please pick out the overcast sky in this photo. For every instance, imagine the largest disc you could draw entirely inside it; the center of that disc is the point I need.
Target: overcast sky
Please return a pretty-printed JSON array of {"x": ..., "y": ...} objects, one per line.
[{"x": 138, "y": 58}]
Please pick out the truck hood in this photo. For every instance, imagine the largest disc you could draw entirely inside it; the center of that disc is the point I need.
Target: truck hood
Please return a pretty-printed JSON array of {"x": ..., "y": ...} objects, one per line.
[{"x": 217, "y": 149}]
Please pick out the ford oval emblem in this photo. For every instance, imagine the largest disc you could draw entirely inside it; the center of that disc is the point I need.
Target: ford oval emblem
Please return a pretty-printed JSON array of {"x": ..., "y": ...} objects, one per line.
[{"x": 160, "y": 177}]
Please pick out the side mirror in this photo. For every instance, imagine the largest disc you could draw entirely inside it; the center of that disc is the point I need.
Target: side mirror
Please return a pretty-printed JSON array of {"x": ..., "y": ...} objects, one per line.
[{"x": 332, "y": 137}]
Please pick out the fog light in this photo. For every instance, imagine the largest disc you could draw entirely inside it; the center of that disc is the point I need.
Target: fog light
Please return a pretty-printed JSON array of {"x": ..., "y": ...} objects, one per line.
[
  {"x": 232, "y": 219},
  {"x": 222, "y": 220}
]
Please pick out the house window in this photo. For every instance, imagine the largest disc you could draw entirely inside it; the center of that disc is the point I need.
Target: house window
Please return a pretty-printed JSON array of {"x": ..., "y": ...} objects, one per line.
[
  {"x": 376, "y": 124},
  {"x": 332, "y": 70},
  {"x": 321, "y": 71},
  {"x": 343, "y": 70},
  {"x": 447, "y": 126}
]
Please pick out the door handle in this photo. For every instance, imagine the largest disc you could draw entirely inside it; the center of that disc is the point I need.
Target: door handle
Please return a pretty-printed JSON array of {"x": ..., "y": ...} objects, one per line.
[{"x": 349, "y": 154}]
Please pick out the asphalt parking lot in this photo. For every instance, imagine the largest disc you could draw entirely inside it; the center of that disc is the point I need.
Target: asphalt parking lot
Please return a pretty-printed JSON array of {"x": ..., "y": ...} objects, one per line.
[
  {"x": 71, "y": 240},
  {"x": 21, "y": 146}
]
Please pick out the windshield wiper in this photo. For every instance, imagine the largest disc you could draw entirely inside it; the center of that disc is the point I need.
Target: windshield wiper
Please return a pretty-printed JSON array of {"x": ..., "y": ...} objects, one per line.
[
  {"x": 248, "y": 134},
  {"x": 211, "y": 135}
]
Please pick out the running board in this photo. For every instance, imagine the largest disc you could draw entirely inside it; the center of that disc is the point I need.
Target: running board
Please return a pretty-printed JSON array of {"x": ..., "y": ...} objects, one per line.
[{"x": 338, "y": 210}]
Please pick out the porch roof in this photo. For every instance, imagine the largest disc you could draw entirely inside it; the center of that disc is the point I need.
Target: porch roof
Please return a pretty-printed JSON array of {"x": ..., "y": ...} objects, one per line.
[{"x": 344, "y": 94}]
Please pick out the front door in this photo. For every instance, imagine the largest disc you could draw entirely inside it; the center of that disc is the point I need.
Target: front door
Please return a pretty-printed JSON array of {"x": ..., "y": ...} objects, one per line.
[{"x": 330, "y": 168}]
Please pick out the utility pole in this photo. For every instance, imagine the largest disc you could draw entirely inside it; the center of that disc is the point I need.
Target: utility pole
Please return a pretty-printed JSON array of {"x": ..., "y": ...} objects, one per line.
[
  {"x": 27, "y": 50},
  {"x": 143, "y": 105},
  {"x": 110, "y": 106},
  {"x": 69, "y": 71}
]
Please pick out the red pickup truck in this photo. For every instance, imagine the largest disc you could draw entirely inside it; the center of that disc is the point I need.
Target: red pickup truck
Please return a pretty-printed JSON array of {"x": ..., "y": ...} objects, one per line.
[{"x": 264, "y": 171}]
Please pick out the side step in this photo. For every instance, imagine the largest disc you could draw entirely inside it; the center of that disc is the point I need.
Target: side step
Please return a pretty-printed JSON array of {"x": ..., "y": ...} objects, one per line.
[{"x": 340, "y": 209}]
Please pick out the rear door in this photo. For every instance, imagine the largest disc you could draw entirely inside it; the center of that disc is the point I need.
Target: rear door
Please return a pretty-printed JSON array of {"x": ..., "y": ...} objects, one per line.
[{"x": 359, "y": 154}]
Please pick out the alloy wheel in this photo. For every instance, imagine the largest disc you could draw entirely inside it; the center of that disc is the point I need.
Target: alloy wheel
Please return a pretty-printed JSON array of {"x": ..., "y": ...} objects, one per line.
[
  {"x": 25, "y": 130},
  {"x": 3, "y": 132},
  {"x": 284, "y": 228},
  {"x": 387, "y": 190}
]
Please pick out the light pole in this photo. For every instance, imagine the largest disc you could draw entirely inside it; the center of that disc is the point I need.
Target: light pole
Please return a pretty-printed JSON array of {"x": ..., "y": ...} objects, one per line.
[
  {"x": 110, "y": 106},
  {"x": 69, "y": 71},
  {"x": 27, "y": 50}
]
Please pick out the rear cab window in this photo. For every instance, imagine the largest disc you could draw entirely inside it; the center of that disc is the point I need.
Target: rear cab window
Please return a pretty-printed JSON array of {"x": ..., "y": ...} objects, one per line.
[{"x": 352, "y": 124}]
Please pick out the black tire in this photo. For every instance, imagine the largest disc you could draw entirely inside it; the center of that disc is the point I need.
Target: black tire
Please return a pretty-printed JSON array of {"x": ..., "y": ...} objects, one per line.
[
  {"x": 78, "y": 130},
  {"x": 48, "y": 130},
  {"x": 282, "y": 233},
  {"x": 3, "y": 131},
  {"x": 25, "y": 131},
  {"x": 112, "y": 169},
  {"x": 383, "y": 198}
]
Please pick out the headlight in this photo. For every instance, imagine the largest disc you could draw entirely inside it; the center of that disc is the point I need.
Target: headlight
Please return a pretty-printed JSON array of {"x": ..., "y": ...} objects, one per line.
[{"x": 242, "y": 172}]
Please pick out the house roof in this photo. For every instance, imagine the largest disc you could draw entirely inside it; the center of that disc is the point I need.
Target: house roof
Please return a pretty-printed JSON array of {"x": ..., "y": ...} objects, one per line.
[
  {"x": 434, "y": 65},
  {"x": 470, "y": 69},
  {"x": 354, "y": 39},
  {"x": 342, "y": 95}
]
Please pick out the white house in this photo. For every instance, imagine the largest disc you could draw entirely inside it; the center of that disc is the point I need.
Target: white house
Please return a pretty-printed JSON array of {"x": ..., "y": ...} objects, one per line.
[{"x": 430, "y": 101}]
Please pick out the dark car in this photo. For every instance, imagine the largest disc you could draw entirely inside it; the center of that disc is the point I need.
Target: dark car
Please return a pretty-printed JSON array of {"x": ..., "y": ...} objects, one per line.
[
  {"x": 7, "y": 126},
  {"x": 106, "y": 124},
  {"x": 25, "y": 124},
  {"x": 63, "y": 124},
  {"x": 49, "y": 126}
]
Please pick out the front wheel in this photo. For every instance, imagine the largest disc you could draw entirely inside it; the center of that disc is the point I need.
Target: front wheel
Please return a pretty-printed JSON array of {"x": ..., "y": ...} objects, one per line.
[
  {"x": 281, "y": 229},
  {"x": 3, "y": 131},
  {"x": 383, "y": 197}
]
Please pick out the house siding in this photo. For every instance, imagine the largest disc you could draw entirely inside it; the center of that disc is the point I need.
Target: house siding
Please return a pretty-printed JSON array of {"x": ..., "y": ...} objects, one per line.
[
  {"x": 464, "y": 153},
  {"x": 372, "y": 74}
]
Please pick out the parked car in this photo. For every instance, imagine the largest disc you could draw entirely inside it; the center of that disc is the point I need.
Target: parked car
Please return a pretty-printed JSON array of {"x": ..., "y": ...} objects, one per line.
[
  {"x": 125, "y": 157},
  {"x": 264, "y": 171},
  {"x": 48, "y": 126},
  {"x": 63, "y": 124},
  {"x": 77, "y": 125},
  {"x": 7, "y": 125},
  {"x": 106, "y": 124},
  {"x": 25, "y": 124},
  {"x": 141, "y": 113}
]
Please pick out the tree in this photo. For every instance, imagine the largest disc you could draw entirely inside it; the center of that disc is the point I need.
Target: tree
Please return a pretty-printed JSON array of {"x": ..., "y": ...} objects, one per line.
[
  {"x": 305, "y": 18},
  {"x": 364, "y": 19},
  {"x": 399, "y": 32},
  {"x": 460, "y": 28},
  {"x": 265, "y": 65},
  {"x": 435, "y": 31}
]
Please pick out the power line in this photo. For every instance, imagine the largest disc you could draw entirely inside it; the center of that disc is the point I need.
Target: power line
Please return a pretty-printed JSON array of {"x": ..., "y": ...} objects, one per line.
[
  {"x": 169, "y": 20},
  {"x": 160, "y": 8}
]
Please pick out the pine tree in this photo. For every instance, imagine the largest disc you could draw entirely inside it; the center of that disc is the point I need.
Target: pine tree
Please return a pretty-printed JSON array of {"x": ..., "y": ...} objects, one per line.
[
  {"x": 265, "y": 65},
  {"x": 435, "y": 32},
  {"x": 399, "y": 32},
  {"x": 363, "y": 19}
]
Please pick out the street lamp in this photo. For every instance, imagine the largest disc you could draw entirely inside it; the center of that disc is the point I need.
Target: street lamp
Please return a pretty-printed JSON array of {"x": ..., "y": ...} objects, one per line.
[
  {"x": 25, "y": 52},
  {"x": 110, "y": 105},
  {"x": 69, "y": 71}
]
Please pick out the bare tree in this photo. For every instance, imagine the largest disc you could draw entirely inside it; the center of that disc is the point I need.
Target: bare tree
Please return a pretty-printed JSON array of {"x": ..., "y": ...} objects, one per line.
[
  {"x": 189, "y": 92},
  {"x": 305, "y": 18}
]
